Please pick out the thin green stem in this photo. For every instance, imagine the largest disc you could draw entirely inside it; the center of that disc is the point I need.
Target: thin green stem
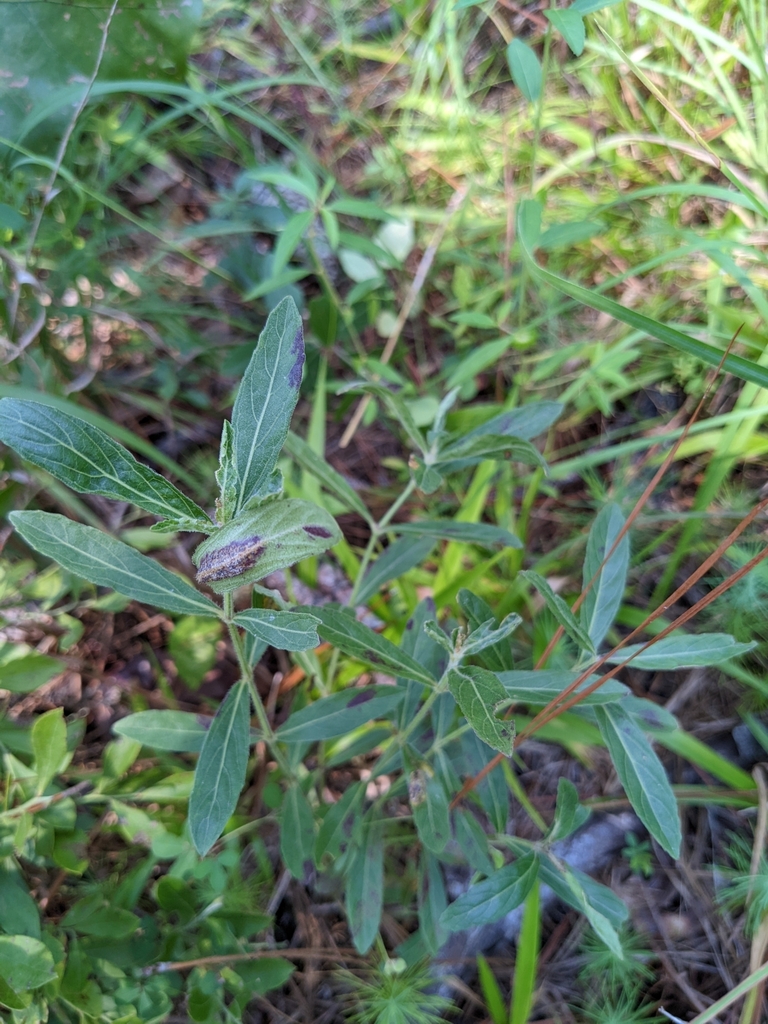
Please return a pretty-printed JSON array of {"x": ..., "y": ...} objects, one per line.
[{"x": 247, "y": 676}]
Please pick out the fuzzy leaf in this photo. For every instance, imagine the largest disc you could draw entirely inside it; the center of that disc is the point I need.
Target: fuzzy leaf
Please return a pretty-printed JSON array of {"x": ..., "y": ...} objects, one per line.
[
  {"x": 642, "y": 775},
  {"x": 479, "y": 693},
  {"x": 297, "y": 832},
  {"x": 165, "y": 730},
  {"x": 90, "y": 462},
  {"x": 265, "y": 402},
  {"x": 340, "y": 713},
  {"x": 220, "y": 772},
  {"x": 604, "y": 599},
  {"x": 490, "y": 900},
  {"x": 97, "y": 557},
  {"x": 687, "y": 650},
  {"x": 561, "y": 611},
  {"x": 365, "y": 890},
  {"x": 358, "y": 641},
  {"x": 285, "y": 631},
  {"x": 260, "y": 542}
]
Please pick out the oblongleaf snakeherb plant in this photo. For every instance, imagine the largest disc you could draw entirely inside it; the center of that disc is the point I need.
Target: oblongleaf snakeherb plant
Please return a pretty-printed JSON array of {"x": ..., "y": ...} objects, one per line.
[{"x": 441, "y": 702}]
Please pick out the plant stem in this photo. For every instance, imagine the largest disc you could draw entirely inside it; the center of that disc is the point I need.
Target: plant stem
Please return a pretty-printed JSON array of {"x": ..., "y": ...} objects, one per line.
[{"x": 247, "y": 677}]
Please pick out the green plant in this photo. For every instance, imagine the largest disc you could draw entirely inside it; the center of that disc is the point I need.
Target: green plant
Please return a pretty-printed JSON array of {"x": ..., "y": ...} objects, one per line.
[
  {"x": 394, "y": 993},
  {"x": 446, "y": 709},
  {"x": 638, "y": 855}
]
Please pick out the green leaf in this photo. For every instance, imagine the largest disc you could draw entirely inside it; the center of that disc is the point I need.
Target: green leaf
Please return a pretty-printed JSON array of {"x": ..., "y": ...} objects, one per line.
[
  {"x": 432, "y": 902},
  {"x": 685, "y": 650},
  {"x": 489, "y": 634},
  {"x": 496, "y": 657},
  {"x": 569, "y": 813},
  {"x": 526, "y": 959},
  {"x": 396, "y": 407},
  {"x": 490, "y": 900},
  {"x": 265, "y": 974},
  {"x": 570, "y": 24},
  {"x": 192, "y": 645},
  {"x": 99, "y": 558},
  {"x": 571, "y": 887},
  {"x": 524, "y": 423},
  {"x": 338, "y": 824},
  {"x": 220, "y": 772},
  {"x": 525, "y": 69},
  {"x": 25, "y": 963},
  {"x": 49, "y": 746},
  {"x": 603, "y": 601},
  {"x": 396, "y": 560},
  {"x": 494, "y": 1001},
  {"x": 258, "y": 543},
  {"x": 19, "y": 914},
  {"x": 265, "y": 402},
  {"x": 341, "y": 629},
  {"x": 95, "y": 917},
  {"x": 297, "y": 832},
  {"x": 479, "y": 693},
  {"x": 472, "y": 841},
  {"x": 285, "y": 631},
  {"x": 429, "y": 806},
  {"x": 491, "y": 446},
  {"x": 340, "y": 713},
  {"x": 90, "y": 462},
  {"x": 290, "y": 237},
  {"x": 226, "y": 476},
  {"x": 538, "y": 688},
  {"x": 24, "y": 674},
  {"x": 482, "y": 534},
  {"x": 334, "y": 482},
  {"x": 165, "y": 730},
  {"x": 51, "y": 58},
  {"x": 642, "y": 775},
  {"x": 365, "y": 889},
  {"x": 561, "y": 611},
  {"x": 529, "y": 215}
]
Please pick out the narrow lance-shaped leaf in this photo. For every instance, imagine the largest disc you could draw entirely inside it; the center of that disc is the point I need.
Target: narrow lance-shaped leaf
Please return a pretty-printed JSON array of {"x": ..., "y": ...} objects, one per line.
[
  {"x": 358, "y": 641},
  {"x": 285, "y": 631},
  {"x": 165, "y": 730},
  {"x": 689, "y": 650},
  {"x": 97, "y": 557},
  {"x": 560, "y": 610},
  {"x": 297, "y": 832},
  {"x": 340, "y": 713},
  {"x": 429, "y": 806},
  {"x": 395, "y": 561},
  {"x": 525, "y": 69},
  {"x": 490, "y": 900},
  {"x": 603, "y": 601},
  {"x": 220, "y": 772},
  {"x": 479, "y": 695},
  {"x": 226, "y": 476},
  {"x": 491, "y": 446},
  {"x": 87, "y": 460},
  {"x": 49, "y": 745},
  {"x": 483, "y": 534},
  {"x": 365, "y": 889},
  {"x": 498, "y": 656},
  {"x": 334, "y": 482},
  {"x": 261, "y": 542},
  {"x": 642, "y": 775},
  {"x": 265, "y": 401}
]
